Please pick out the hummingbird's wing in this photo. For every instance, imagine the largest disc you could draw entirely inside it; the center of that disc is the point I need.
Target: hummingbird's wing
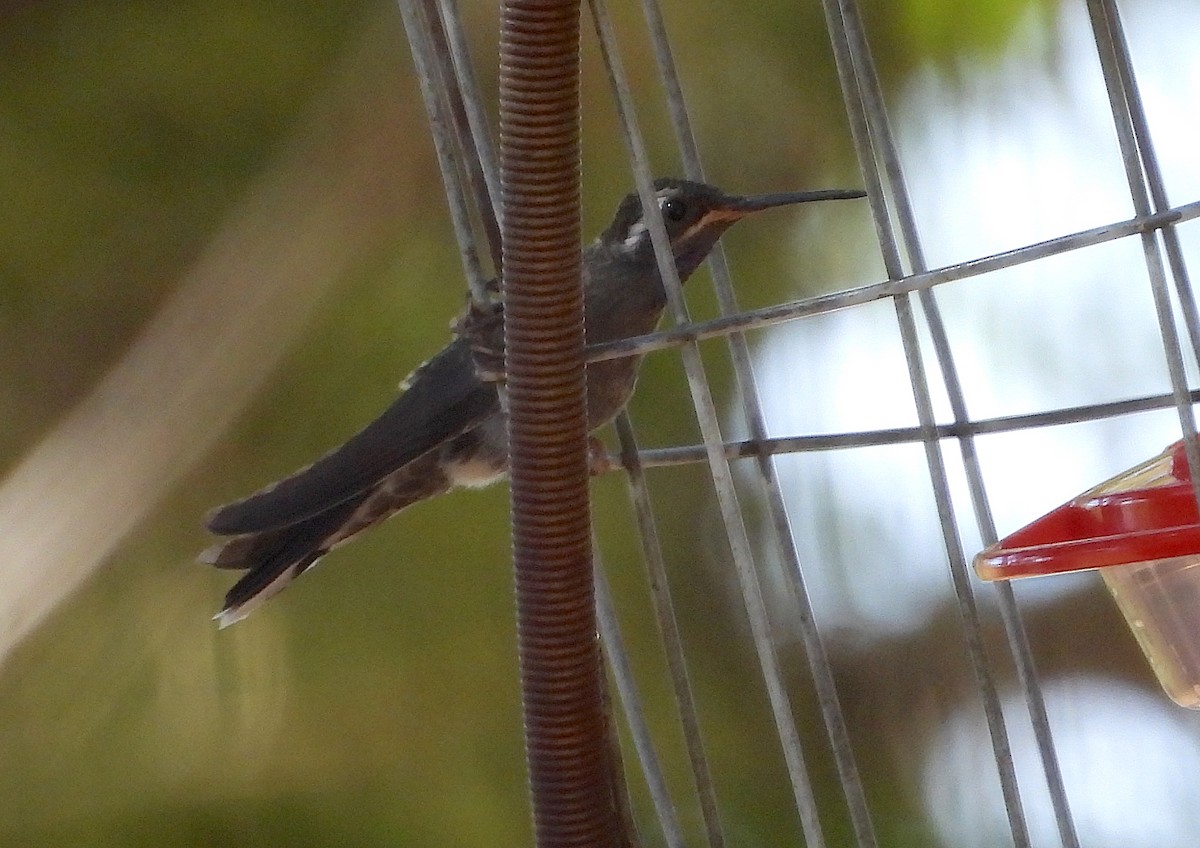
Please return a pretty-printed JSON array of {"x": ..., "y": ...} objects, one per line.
[{"x": 443, "y": 399}]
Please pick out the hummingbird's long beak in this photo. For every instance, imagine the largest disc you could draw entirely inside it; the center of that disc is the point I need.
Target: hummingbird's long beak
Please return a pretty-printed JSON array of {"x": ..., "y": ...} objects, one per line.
[{"x": 755, "y": 202}]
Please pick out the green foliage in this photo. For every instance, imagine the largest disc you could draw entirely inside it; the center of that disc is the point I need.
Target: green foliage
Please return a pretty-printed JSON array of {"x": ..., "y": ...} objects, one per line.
[{"x": 126, "y": 131}]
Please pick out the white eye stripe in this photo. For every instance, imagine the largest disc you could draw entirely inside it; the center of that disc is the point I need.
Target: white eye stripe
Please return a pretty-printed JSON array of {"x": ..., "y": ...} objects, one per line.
[{"x": 636, "y": 232}]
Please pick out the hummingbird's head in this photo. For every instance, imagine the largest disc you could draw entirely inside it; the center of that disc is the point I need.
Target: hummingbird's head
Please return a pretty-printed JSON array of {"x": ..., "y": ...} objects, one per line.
[{"x": 695, "y": 215}]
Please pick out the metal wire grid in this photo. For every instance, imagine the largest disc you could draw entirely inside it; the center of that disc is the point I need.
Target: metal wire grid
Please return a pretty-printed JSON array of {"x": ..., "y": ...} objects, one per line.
[{"x": 464, "y": 147}]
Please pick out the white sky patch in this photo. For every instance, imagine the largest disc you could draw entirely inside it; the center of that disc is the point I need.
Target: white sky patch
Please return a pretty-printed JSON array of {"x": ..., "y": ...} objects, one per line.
[{"x": 1125, "y": 756}]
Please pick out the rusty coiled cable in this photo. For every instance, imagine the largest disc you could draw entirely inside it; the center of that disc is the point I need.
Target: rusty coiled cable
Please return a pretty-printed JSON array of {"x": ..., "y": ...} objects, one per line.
[{"x": 544, "y": 337}]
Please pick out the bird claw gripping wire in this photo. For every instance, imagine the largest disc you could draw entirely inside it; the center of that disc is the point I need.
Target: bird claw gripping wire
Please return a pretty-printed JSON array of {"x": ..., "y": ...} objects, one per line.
[{"x": 482, "y": 325}]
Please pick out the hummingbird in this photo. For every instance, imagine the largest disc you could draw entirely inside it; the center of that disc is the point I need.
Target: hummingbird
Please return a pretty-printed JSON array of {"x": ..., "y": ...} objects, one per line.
[{"x": 447, "y": 428}]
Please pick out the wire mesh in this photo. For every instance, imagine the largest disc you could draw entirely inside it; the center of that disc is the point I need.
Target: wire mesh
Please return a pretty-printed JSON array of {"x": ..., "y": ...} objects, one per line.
[{"x": 910, "y": 286}]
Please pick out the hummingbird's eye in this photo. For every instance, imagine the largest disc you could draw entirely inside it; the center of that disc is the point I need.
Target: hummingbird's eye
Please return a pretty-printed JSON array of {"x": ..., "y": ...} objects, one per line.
[{"x": 673, "y": 209}]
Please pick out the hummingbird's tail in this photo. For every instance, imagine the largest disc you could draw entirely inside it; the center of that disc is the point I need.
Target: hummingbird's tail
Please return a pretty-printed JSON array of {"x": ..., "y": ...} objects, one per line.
[{"x": 274, "y": 558}]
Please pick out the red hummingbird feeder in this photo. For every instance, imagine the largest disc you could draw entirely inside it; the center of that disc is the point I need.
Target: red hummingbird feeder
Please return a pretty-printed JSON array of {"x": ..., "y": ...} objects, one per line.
[{"x": 1141, "y": 529}]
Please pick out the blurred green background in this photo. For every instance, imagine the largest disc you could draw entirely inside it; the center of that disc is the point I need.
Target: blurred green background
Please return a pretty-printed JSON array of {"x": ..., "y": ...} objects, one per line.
[{"x": 227, "y": 217}]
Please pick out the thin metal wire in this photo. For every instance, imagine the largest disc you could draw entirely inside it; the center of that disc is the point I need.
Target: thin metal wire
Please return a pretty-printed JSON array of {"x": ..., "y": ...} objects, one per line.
[
  {"x": 631, "y": 702},
  {"x": 768, "y": 316},
  {"x": 668, "y": 627},
  {"x": 1139, "y": 164},
  {"x": 483, "y": 142},
  {"x": 747, "y": 390},
  {"x": 1015, "y": 632},
  {"x": 751, "y": 448},
  {"x": 710, "y": 430},
  {"x": 433, "y": 87},
  {"x": 631, "y": 831},
  {"x": 639, "y": 493},
  {"x": 469, "y": 154},
  {"x": 1153, "y": 174},
  {"x": 866, "y": 121}
]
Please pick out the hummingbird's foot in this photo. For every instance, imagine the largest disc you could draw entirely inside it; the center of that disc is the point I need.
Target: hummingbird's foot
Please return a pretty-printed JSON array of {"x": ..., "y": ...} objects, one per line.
[
  {"x": 483, "y": 326},
  {"x": 600, "y": 461}
]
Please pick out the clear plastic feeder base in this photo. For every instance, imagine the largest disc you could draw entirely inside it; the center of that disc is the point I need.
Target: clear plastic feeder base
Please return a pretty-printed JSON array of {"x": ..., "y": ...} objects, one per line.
[{"x": 1160, "y": 600}]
